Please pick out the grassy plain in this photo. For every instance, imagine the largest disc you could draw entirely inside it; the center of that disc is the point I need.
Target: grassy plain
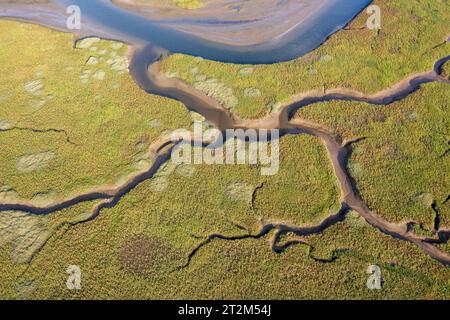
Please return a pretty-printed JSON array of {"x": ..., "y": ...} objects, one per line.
[
  {"x": 400, "y": 168},
  {"x": 92, "y": 127},
  {"x": 88, "y": 97},
  {"x": 411, "y": 40},
  {"x": 133, "y": 250},
  {"x": 185, "y": 4},
  {"x": 137, "y": 248}
]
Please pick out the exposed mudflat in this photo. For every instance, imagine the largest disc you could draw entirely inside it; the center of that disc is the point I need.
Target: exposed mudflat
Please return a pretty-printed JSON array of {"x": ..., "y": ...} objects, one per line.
[
  {"x": 260, "y": 31},
  {"x": 231, "y": 22}
]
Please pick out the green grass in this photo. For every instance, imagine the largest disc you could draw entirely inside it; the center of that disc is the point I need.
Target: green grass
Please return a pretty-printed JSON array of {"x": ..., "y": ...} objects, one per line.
[
  {"x": 175, "y": 220},
  {"x": 410, "y": 42},
  {"x": 245, "y": 269},
  {"x": 446, "y": 70},
  {"x": 189, "y": 4},
  {"x": 305, "y": 189},
  {"x": 110, "y": 126},
  {"x": 173, "y": 224},
  {"x": 400, "y": 169},
  {"x": 107, "y": 120},
  {"x": 133, "y": 249}
]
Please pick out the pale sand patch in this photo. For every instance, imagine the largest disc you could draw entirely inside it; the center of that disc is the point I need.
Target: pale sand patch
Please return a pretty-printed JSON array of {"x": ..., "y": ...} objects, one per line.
[
  {"x": 219, "y": 91},
  {"x": 33, "y": 162},
  {"x": 426, "y": 199},
  {"x": 155, "y": 123},
  {"x": 92, "y": 61},
  {"x": 87, "y": 42},
  {"x": 44, "y": 198},
  {"x": 240, "y": 191},
  {"x": 246, "y": 71},
  {"x": 99, "y": 75},
  {"x": 159, "y": 184},
  {"x": 34, "y": 87},
  {"x": 25, "y": 233},
  {"x": 37, "y": 104},
  {"x": 252, "y": 92},
  {"x": 116, "y": 45},
  {"x": 6, "y": 124},
  {"x": 186, "y": 170},
  {"x": 119, "y": 63}
]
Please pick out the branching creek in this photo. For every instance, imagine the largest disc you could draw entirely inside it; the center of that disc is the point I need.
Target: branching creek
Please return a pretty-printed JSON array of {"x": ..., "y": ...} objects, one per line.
[{"x": 145, "y": 70}]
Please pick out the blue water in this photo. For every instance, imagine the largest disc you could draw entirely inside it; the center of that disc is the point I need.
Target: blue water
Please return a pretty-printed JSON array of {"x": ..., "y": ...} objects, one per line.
[{"x": 299, "y": 41}]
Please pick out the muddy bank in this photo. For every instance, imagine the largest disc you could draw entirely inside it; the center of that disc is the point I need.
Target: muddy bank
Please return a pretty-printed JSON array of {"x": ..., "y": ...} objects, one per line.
[
  {"x": 145, "y": 70},
  {"x": 153, "y": 82},
  {"x": 145, "y": 64}
]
